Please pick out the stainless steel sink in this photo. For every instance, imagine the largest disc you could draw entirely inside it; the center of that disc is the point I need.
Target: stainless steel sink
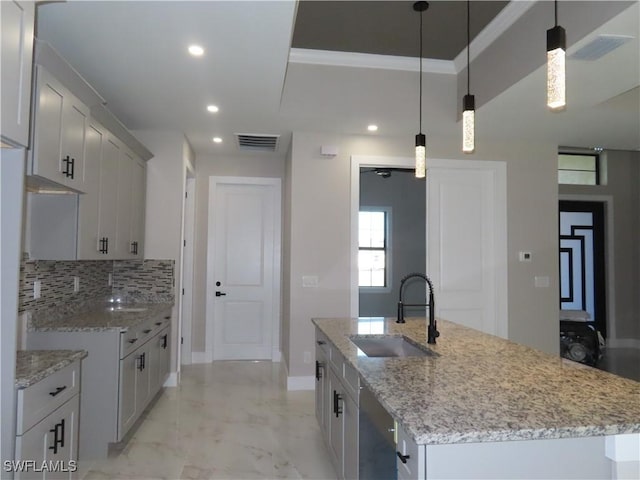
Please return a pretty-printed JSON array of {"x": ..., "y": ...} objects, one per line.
[{"x": 389, "y": 346}]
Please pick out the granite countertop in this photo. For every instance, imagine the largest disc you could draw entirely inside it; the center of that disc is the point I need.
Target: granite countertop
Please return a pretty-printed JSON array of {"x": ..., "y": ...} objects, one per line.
[
  {"x": 34, "y": 365},
  {"x": 101, "y": 317},
  {"x": 482, "y": 388}
]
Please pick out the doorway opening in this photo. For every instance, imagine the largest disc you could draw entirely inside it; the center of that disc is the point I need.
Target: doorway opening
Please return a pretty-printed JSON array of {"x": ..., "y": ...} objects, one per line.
[
  {"x": 396, "y": 247},
  {"x": 582, "y": 260}
]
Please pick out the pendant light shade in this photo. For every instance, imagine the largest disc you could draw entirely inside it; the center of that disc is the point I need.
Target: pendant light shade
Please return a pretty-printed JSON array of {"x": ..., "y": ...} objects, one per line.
[
  {"x": 468, "y": 123},
  {"x": 469, "y": 101},
  {"x": 556, "y": 83},
  {"x": 421, "y": 155},
  {"x": 421, "y": 139}
]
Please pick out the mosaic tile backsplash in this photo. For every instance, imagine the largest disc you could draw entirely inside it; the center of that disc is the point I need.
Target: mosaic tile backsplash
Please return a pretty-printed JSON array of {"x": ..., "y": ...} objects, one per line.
[{"x": 135, "y": 280}]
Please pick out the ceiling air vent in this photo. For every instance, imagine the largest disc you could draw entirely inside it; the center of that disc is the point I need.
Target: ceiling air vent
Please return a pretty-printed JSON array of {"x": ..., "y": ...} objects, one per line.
[
  {"x": 257, "y": 143},
  {"x": 600, "y": 46}
]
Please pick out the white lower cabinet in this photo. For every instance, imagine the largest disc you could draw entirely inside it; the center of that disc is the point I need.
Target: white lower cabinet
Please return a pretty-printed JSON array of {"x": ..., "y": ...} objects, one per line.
[
  {"x": 411, "y": 462},
  {"x": 337, "y": 395},
  {"x": 47, "y": 426},
  {"x": 121, "y": 375}
]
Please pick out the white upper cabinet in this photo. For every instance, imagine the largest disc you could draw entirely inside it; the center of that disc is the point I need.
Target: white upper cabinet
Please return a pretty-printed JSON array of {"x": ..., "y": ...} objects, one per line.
[
  {"x": 16, "y": 54},
  {"x": 89, "y": 203},
  {"x": 138, "y": 203},
  {"x": 125, "y": 199},
  {"x": 59, "y": 130}
]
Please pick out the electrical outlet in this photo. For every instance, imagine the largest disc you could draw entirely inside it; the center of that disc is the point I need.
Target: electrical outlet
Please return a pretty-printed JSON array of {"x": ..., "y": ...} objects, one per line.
[
  {"x": 36, "y": 289},
  {"x": 307, "y": 357},
  {"x": 76, "y": 284}
]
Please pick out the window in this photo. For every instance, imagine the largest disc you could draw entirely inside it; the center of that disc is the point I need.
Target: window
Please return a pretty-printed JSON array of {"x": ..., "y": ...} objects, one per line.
[
  {"x": 373, "y": 245},
  {"x": 579, "y": 169}
]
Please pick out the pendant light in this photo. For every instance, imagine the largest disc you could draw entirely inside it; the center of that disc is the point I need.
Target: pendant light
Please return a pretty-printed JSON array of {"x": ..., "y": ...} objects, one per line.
[
  {"x": 556, "y": 47},
  {"x": 421, "y": 139},
  {"x": 469, "y": 101}
]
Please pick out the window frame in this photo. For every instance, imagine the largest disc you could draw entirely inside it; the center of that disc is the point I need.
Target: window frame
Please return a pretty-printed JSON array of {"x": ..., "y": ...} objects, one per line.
[
  {"x": 387, "y": 250},
  {"x": 597, "y": 170}
]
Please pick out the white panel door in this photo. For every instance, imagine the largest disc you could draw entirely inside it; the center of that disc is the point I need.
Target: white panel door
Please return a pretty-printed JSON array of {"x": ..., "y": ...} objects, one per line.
[
  {"x": 466, "y": 245},
  {"x": 243, "y": 250}
]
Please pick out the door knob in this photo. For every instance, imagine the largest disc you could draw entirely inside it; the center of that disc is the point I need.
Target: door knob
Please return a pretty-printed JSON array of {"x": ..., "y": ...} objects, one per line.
[{"x": 219, "y": 294}]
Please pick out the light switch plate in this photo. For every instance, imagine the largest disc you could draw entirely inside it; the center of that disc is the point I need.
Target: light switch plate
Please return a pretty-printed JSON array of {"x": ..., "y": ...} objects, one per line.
[
  {"x": 309, "y": 281},
  {"x": 541, "y": 282}
]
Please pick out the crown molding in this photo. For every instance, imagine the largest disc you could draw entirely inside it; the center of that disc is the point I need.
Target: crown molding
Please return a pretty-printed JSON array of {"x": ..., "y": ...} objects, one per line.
[
  {"x": 367, "y": 60},
  {"x": 500, "y": 24}
]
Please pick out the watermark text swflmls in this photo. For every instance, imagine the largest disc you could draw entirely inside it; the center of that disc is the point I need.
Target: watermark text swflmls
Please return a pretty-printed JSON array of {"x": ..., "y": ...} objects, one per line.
[{"x": 22, "y": 466}]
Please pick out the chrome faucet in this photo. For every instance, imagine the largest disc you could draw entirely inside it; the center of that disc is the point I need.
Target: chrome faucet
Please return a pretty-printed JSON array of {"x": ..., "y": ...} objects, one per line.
[{"x": 432, "y": 331}]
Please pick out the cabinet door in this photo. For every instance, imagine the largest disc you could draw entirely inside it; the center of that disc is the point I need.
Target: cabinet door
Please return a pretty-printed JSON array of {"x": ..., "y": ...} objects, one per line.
[
  {"x": 16, "y": 54},
  {"x": 108, "y": 198},
  {"x": 89, "y": 203},
  {"x": 127, "y": 393},
  {"x": 138, "y": 199},
  {"x": 60, "y": 122},
  {"x": 53, "y": 440},
  {"x": 321, "y": 387},
  {"x": 350, "y": 443},
  {"x": 336, "y": 422},
  {"x": 123, "y": 230},
  {"x": 143, "y": 377}
]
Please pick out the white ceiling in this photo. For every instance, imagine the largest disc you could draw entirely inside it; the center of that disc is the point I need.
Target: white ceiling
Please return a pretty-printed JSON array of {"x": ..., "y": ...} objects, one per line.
[{"x": 134, "y": 54}]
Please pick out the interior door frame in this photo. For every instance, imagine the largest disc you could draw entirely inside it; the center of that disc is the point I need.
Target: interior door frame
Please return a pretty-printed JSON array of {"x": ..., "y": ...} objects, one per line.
[
  {"x": 609, "y": 264},
  {"x": 498, "y": 169},
  {"x": 276, "y": 183}
]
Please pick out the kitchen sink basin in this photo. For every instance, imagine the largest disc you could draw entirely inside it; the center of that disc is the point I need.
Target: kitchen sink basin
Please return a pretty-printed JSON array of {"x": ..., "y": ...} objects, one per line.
[
  {"x": 389, "y": 346},
  {"x": 127, "y": 309}
]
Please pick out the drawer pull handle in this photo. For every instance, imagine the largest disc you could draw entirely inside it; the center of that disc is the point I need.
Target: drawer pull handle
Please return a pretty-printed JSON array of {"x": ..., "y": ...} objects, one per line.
[
  {"x": 320, "y": 342},
  {"x": 133, "y": 340},
  {"x": 146, "y": 331},
  {"x": 168, "y": 317},
  {"x": 403, "y": 458},
  {"x": 158, "y": 323},
  {"x": 165, "y": 340},
  {"x": 336, "y": 403},
  {"x": 58, "y": 441},
  {"x": 57, "y": 391}
]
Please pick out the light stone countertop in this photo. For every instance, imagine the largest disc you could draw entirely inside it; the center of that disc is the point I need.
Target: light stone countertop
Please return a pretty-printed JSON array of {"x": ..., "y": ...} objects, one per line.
[
  {"x": 34, "y": 365},
  {"x": 481, "y": 388},
  {"x": 101, "y": 317}
]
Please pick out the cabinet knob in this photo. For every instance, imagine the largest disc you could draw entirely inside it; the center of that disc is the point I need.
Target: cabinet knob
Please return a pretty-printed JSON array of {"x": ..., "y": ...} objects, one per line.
[{"x": 133, "y": 340}]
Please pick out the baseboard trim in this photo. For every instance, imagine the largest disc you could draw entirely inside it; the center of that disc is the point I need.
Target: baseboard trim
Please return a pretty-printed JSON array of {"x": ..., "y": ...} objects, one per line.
[
  {"x": 301, "y": 383},
  {"x": 172, "y": 380},
  {"x": 623, "y": 343},
  {"x": 200, "y": 357}
]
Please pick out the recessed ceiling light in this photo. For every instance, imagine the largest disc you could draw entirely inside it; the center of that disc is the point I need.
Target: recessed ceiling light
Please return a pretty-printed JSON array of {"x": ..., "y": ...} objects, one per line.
[
  {"x": 212, "y": 108},
  {"x": 372, "y": 128},
  {"x": 217, "y": 140},
  {"x": 196, "y": 50}
]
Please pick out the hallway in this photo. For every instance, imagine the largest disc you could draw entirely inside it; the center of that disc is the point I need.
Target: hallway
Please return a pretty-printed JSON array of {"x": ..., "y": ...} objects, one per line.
[{"x": 228, "y": 420}]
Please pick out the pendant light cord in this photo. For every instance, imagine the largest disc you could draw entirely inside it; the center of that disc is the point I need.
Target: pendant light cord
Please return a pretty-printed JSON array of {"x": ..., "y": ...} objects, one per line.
[
  {"x": 468, "y": 47},
  {"x": 555, "y": 9},
  {"x": 420, "y": 105}
]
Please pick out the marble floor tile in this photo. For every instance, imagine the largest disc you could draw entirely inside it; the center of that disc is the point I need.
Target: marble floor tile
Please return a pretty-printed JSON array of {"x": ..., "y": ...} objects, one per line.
[{"x": 227, "y": 420}]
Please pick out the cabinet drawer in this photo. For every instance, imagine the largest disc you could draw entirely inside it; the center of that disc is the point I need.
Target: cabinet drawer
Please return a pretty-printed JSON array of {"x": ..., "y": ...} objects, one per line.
[
  {"x": 40, "y": 399},
  {"x": 410, "y": 458},
  {"x": 129, "y": 341}
]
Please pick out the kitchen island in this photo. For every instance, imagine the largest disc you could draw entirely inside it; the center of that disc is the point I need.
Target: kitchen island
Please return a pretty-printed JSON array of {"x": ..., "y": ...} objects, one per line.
[{"x": 482, "y": 406}]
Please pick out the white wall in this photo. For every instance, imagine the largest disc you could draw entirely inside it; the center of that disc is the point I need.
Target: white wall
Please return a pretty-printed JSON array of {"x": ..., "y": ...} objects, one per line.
[
  {"x": 320, "y": 232},
  {"x": 252, "y": 165},
  {"x": 12, "y": 164},
  {"x": 166, "y": 174}
]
